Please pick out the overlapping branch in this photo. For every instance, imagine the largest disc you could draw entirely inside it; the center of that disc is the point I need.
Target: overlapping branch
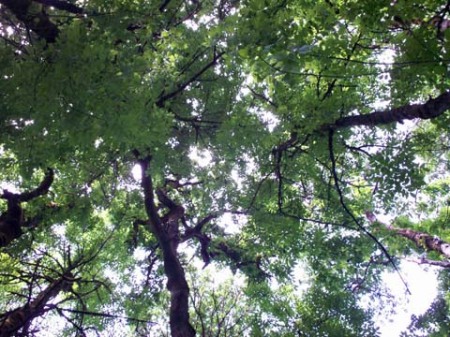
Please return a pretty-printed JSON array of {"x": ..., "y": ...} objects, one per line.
[
  {"x": 37, "y": 21},
  {"x": 21, "y": 318},
  {"x": 165, "y": 229},
  {"x": 164, "y": 97},
  {"x": 421, "y": 240},
  {"x": 13, "y": 219},
  {"x": 59, "y": 279},
  {"x": 433, "y": 108},
  {"x": 350, "y": 213}
]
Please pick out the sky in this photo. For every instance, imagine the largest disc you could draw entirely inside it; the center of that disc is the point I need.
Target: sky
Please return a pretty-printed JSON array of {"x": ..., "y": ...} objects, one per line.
[{"x": 422, "y": 283}]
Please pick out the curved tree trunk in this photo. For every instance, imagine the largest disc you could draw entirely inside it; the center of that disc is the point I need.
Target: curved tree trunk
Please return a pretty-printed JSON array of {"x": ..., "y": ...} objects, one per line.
[{"x": 165, "y": 229}]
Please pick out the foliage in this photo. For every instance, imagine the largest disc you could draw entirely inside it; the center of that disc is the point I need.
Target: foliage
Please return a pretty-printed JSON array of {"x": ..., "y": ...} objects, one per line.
[{"x": 252, "y": 136}]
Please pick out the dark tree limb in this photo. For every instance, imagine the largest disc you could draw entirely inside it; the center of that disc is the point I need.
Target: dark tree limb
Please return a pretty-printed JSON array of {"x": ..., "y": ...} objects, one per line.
[
  {"x": 13, "y": 219},
  {"x": 162, "y": 228},
  {"x": 164, "y": 5},
  {"x": 203, "y": 239},
  {"x": 349, "y": 212},
  {"x": 20, "y": 318},
  {"x": 433, "y": 108},
  {"x": 17, "y": 322},
  {"x": 181, "y": 86},
  {"x": 62, "y": 5},
  {"x": 37, "y": 21},
  {"x": 40, "y": 190},
  {"x": 249, "y": 265},
  {"x": 149, "y": 201}
]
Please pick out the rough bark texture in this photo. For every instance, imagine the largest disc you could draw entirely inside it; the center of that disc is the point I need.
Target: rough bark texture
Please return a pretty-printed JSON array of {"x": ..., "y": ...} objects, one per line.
[
  {"x": 20, "y": 318},
  {"x": 424, "y": 240},
  {"x": 434, "y": 107},
  {"x": 165, "y": 229},
  {"x": 421, "y": 239}
]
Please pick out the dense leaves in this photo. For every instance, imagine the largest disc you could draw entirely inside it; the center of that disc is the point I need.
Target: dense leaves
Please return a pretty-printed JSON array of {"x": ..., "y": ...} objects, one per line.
[{"x": 301, "y": 145}]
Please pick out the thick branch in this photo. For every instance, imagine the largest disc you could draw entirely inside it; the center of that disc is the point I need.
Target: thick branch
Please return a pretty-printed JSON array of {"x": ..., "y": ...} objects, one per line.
[
  {"x": 424, "y": 240},
  {"x": 62, "y": 5},
  {"x": 13, "y": 219},
  {"x": 250, "y": 265},
  {"x": 11, "y": 322},
  {"x": 149, "y": 201},
  {"x": 36, "y": 20},
  {"x": 41, "y": 189},
  {"x": 203, "y": 239},
  {"x": 433, "y": 108},
  {"x": 421, "y": 239}
]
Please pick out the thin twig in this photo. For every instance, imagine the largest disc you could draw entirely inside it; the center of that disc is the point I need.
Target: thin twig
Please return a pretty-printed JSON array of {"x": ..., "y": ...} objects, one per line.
[{"x": 347, "y": 210}]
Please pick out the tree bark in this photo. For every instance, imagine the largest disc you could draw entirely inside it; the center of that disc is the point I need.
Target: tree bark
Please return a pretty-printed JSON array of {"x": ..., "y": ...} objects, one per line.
[
  {"x": 20, "y": 318},
  {"x": 13, "y": 219},
  {"x": 179, "y": 292},
  {"x": 421, "y": 239},
  {"x": 424, "y": 240},
  {"x": 433, "y": 108},
  {"x": 165, "y": 229}
]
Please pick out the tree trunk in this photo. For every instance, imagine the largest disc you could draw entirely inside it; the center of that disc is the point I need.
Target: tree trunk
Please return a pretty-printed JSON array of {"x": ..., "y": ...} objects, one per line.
[
  {"x": 165, "y": 229},
  {"x": 179, "y": 292},
  {"x": 21, "y": 318}
]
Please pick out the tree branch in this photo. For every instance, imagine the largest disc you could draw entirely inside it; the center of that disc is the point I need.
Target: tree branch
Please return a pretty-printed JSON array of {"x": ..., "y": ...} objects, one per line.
[
  {"x": 443, "y": 264},
  {"x": 149, "y": 200},
  {"x": 13, "y": 219},
  {"x": 180, "y": 87},
  {"x": 41, "y": 189},
  {"x": 420, "y": 239},
  {"x": 347, "y": 210},
  {"x": 39, "y": 22},
  {"x": 62, "y": 5},
  {"x": 12, "y": 321},
  {"x": 433, "y": 108}
]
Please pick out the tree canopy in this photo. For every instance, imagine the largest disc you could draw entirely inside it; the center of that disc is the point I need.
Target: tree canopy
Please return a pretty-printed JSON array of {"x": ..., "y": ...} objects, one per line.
[{"x": 151, "y": 148}]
